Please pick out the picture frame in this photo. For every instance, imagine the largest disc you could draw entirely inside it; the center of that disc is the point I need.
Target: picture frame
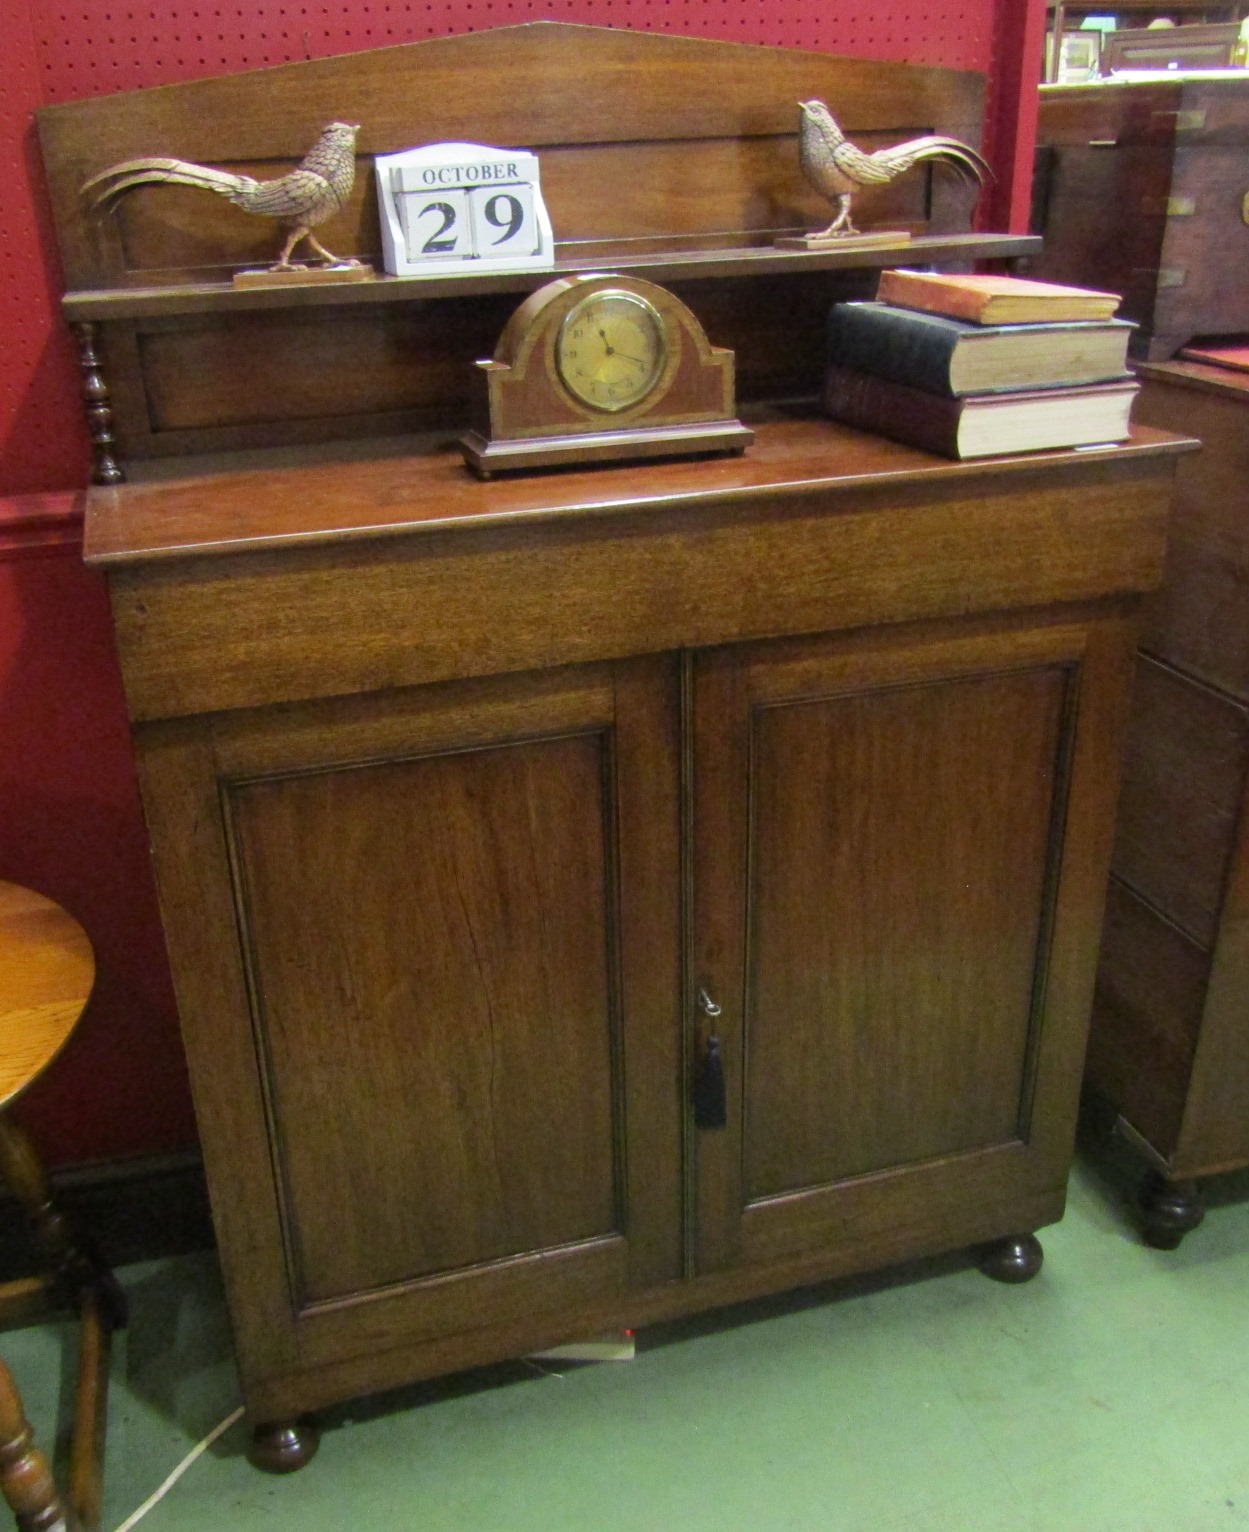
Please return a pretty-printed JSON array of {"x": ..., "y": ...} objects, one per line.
[{"x": 1079, "y": 57}]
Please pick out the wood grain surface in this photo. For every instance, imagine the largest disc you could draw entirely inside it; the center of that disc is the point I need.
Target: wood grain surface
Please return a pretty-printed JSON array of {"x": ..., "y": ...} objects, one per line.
[
  {"x": 659, "y": 148},
  {"x": 816, "y": 527},
  {"x": 384, "y": 934},
  {"x": 47, "y": 971},
  {"x": 1198, "y": 621},
  {"x": 547, "y": 85}
]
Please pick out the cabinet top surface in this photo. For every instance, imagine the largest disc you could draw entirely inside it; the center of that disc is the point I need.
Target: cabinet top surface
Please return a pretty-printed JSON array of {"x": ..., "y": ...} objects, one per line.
[{"x": 251, "y": 502}]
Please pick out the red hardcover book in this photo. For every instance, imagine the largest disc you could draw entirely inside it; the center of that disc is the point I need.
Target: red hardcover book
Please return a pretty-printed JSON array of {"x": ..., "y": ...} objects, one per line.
[{"x": 988, "y": 299}]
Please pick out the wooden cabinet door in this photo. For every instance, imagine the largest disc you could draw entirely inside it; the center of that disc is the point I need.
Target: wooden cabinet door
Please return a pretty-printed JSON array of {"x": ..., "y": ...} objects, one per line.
[
  {"x": 899, "y": 859},
  {"x": 427, "y": 948}
]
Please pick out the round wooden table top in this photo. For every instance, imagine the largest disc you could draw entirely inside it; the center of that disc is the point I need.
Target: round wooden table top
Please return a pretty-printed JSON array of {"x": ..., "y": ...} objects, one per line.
[{"x": 47, "y": 969}]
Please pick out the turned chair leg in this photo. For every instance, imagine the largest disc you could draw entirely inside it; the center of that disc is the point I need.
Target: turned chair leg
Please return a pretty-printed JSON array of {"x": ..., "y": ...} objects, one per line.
[
  {"x": 81, "y": 1280},
  {"x": 25, "y": 1478}
]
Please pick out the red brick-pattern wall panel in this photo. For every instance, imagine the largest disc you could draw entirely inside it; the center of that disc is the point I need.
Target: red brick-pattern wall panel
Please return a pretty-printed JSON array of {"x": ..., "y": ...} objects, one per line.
[
  {"x": 71, "y": 827},
  {"x": 42, "y": 439},
  {"x": 88, "y": 47}
]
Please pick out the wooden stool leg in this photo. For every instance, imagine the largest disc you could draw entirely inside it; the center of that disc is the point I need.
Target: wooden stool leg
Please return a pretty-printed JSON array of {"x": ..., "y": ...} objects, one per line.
[
  {"x": 25, "y": 1478},
  {"x": 86, "y": 1454},
  {"x": 26, "y": 1178},
  {"x": 84, "y": 1282},
  {"x": 75, "y": 1267}
]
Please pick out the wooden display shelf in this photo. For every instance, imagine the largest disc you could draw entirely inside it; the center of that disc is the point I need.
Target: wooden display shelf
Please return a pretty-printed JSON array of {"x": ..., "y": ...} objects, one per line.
[
  {"x": 685, "y": 177},
  {"x": 659, "y": 265}
]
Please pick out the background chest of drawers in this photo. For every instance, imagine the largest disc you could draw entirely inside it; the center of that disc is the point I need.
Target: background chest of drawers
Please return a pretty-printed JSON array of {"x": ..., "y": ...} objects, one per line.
[{"x": 1170, "y": 1038}]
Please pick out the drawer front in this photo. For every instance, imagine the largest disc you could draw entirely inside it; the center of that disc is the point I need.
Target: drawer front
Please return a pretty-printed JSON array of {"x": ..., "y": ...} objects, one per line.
[
  {"x": 1183, "y": 780},
  {"x": 1198, "y": 620},
  {"x": 1151, "y": 988},
  {"x": 1201, "y": 284},
  {"x": 1154, "y": 112},
  {"x": 228, "y": 632}
]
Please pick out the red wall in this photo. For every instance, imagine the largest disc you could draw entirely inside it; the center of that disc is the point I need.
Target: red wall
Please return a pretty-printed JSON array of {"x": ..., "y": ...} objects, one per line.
[{"x": 70, "y": 823}]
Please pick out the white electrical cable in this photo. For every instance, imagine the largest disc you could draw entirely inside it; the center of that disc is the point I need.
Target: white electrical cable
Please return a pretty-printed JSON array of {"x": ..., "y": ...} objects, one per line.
[{"x": 197, "y": 1451}]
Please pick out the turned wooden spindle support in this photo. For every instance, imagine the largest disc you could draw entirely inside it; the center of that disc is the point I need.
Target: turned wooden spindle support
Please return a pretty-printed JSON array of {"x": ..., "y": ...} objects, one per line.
[
  {"x": 75, "y": 1266},
  {"x": 25, "y": 1478},
  {"x": 98, "y": 405}
]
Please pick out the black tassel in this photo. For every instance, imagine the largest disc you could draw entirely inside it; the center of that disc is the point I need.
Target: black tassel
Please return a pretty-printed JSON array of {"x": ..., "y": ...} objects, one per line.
[{"x": 710, "y": 1108}]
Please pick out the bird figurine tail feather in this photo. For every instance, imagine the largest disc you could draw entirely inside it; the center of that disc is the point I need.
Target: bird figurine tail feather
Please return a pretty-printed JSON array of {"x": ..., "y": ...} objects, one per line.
[
  {"x": 306, "y": 196},
  {"x": 837, "y": 169}
]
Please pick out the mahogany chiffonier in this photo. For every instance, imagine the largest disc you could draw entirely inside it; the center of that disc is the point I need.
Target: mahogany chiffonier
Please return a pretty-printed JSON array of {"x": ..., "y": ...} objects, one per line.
[
  {"x": 479, "y": 810},
  {"x": 598, "y": 895}
]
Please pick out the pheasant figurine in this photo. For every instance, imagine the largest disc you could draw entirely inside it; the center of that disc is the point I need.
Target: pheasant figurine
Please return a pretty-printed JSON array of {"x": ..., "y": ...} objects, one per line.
[
  {"x": 300, "y": 200},
  {"x": 837, "y": 169}
]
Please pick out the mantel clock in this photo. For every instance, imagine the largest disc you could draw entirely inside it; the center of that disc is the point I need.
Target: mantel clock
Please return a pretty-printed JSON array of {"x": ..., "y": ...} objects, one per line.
[{"x": 603, "y": 368}]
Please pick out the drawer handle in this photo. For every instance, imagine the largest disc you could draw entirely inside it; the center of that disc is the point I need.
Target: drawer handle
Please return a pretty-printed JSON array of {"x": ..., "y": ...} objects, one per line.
[{"x": 707, "y": 1095}]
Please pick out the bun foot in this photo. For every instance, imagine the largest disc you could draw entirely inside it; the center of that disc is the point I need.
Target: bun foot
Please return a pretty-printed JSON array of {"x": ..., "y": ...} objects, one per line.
[
  {"x": 1017, "y": 1259},
  {"x": 1169, "y": 1210},
  {"x": 283, "y": 1446}
]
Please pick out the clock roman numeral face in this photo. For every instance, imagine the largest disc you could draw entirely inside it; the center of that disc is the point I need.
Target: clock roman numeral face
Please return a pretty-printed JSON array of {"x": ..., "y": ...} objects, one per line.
[{"x": 610, "y": 350}]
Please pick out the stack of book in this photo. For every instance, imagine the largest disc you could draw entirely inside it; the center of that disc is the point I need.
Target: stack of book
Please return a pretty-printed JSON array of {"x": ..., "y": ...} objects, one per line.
[{"x": 973, "y": 366}]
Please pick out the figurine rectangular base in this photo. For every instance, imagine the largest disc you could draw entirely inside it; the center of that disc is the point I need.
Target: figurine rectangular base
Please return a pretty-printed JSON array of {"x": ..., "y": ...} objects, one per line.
[
  {"x": 487, "y": 457},
  {"x": 870, "y": 241},
  {"x": 303, "y": 276}
]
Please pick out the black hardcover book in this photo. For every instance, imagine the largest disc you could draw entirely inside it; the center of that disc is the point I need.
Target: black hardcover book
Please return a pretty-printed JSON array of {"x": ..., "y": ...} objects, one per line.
[{"x": 954, "y": 357}]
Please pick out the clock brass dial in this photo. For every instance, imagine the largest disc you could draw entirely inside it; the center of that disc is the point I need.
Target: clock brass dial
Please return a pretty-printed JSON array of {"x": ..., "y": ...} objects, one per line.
[{"x": 610, "y": 351}]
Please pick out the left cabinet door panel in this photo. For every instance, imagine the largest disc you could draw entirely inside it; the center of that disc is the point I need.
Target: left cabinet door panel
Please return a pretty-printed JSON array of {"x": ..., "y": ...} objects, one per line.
[{"x": 445, "y": 932}]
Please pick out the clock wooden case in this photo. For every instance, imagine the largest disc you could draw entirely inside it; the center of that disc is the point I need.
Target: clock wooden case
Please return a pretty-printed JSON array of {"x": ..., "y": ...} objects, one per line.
[{"x": 603, "y": 368}]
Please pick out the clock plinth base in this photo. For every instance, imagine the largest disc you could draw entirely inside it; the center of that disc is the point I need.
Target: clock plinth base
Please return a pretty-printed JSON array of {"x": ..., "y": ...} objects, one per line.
[
  {"x": 486, "y": 457},
  {"x": 869, "y": 241}
]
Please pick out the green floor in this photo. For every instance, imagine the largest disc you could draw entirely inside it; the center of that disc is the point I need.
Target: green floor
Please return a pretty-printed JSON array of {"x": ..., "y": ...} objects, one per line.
[{"x": 1110, "y": 1393}]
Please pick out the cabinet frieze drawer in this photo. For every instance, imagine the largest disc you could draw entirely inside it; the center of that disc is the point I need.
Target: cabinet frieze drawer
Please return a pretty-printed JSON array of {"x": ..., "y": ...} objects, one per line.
[{"x": 409, "y": 611}]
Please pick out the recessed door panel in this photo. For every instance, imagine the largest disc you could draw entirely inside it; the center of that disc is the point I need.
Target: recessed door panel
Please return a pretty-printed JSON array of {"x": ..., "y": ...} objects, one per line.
[
  {"x": 891, "y": 907},
  {"x": 897, "y": 860},
  {"x": 435, "y": 1010},
  {"x": 430, "y": 945}
]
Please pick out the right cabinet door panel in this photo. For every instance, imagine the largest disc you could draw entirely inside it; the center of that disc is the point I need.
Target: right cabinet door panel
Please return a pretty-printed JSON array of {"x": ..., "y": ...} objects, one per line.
[{"x": 893, "y": 910}]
